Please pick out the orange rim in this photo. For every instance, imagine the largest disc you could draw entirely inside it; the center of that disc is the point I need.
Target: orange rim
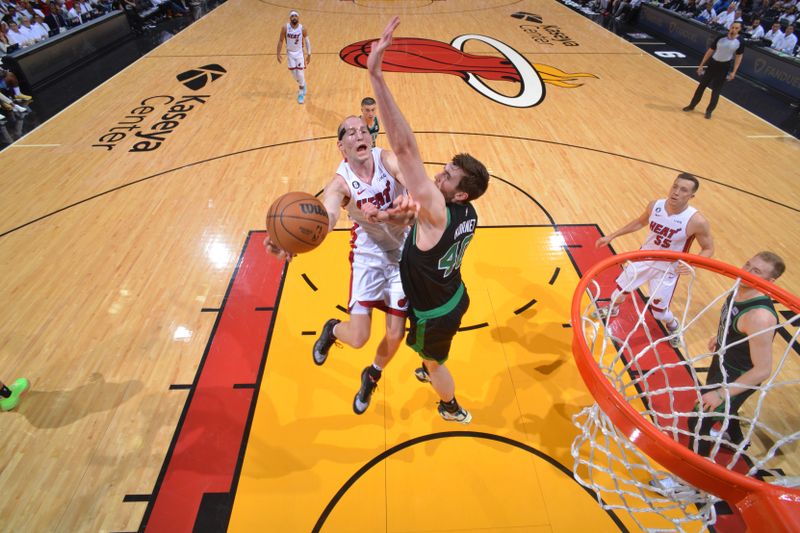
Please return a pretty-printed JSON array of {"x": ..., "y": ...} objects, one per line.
[{"x": 759, "y": 502}]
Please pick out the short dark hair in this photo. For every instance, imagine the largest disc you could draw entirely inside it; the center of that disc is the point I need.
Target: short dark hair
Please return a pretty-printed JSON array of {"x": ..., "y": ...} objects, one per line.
[
  {"x": 778, "y": 266},
  {"x": 690, "y": 177},
  {"x": 368, "y": 101},
  {"x": 475, "y": 180}
]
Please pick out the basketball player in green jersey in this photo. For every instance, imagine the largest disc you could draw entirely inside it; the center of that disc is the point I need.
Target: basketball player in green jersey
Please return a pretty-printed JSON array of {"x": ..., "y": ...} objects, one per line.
[
  {"x": 370, "y": 118},
  {"x": 430, "y": 267},
  {"x": 738, "y": 367}
]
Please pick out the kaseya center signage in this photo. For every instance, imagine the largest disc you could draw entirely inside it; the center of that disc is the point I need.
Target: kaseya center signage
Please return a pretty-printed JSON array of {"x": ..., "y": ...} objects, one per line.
[{"x": 153, "y": 120}]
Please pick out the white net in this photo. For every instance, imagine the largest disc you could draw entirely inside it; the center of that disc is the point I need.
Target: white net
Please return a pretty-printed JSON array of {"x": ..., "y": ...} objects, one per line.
[{"x": 664, "y": 376}]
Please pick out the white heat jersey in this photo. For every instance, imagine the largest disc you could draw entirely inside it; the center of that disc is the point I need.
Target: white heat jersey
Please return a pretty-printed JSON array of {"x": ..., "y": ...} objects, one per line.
[
  {"x": 380, "y": 241},
  {"x": 294, "y": 39},
  {"x": 668, "y": 232}
]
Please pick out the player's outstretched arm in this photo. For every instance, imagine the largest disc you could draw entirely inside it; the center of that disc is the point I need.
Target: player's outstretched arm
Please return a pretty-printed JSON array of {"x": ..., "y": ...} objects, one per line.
[
  {"x": 634, "y": 225},
  {"x": 401, "y": 138},
  {"x": 334, "y": 197}
]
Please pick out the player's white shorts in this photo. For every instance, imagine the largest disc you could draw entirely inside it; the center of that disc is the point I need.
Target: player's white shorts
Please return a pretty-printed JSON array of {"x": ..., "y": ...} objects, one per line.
[
  {"x": 376, "y": 284},
  {"x": 661, "y": 285},
  {"x": 295, "y": 61}
]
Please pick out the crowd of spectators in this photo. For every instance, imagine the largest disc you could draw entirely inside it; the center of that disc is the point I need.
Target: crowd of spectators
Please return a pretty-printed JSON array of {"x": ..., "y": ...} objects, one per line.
[
  {"x": 756, "y": 17},
  {"x": 24, "y": 23},
  {"x": 769, "y": 23}
]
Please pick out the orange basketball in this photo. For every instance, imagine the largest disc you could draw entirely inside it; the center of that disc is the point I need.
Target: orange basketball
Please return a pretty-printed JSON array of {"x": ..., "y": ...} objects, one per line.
[{"x": 297, "y": 222}]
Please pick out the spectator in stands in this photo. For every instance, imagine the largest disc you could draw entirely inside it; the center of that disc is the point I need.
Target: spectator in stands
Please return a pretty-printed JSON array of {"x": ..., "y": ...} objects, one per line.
[
  {"x": 774, "y": 33},
  {"x": 786, "y": 43},
  {"x": 789, "y": 17},
  {"x": 707, "y": 14},
  {"x": 74, "y": 15},
  {"x": 41, "y": 29},
  {"x": 29, "y": 10},
  {"x": 755, "y": 31},
  {"x": 720, "y": 6},
  {"x": 55, "y": 20},
  {"x": 87, "y": 10},
  {"x": 4, "y": 42},
  {"x": 15, "y": 36},
  {"x": 726, "y": 18},
  {"x": 12, "y": 15},
  {"x": 27, "y": 30}
]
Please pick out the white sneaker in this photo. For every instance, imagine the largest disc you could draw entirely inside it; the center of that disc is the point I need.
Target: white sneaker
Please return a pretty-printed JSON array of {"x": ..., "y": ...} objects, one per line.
[
  {"x": 676, "y": 337},
  {"x": 601, "y": 313},
  {"x": 665, "y": 484},
  {"x": 20, "y": 109},
  {"x": 462, "y": 415}
]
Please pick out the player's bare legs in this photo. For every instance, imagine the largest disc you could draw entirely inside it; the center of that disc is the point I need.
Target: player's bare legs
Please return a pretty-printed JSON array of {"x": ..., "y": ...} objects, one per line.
[
  {"x": 395, "y": 331},
  {"x": 354, "y": 333}
]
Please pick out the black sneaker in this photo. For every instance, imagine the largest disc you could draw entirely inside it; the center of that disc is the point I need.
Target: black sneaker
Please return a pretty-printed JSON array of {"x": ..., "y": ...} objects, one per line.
[
  {"x": 364, "y": 394},
  {"x": 324, "y": 342},
  {"x": 422, "y": 375}
]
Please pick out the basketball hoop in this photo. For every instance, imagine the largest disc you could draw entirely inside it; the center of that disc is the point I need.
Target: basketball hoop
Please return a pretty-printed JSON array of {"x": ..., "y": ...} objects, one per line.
[{"x": 645, "y": 392}]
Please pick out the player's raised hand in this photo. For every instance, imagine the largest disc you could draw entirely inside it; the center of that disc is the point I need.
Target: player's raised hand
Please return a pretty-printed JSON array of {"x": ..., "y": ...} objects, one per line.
[{"x": 379, "y": 47}]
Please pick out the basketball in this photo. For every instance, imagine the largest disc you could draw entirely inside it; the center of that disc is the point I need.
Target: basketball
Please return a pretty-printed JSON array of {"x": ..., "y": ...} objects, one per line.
[{"x": 297, "y": 222}]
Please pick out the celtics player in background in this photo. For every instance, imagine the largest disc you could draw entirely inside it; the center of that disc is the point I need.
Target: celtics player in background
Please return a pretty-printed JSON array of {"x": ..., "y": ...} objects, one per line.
[
  {"x": 370, "y": 118},
  {"x": 737, "y": 369},
  {"x": 432, "y": 254}
]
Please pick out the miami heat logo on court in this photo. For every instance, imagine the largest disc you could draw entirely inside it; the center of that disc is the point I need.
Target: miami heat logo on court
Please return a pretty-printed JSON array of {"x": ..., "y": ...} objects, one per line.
[{"x": 411, "y": 54}]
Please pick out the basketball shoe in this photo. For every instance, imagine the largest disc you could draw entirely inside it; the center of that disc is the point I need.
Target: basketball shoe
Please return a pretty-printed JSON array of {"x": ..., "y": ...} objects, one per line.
[
  {"x": 462, "y": 415},
  {"x": 17, "y": 388},
  {"x": 603, "y": 312},
  {"x": 324, "y": 342},
  {"x": 368, "y": 385},
  {"x": 676, "y": 339},
  {"x": 301, "y": 95},
  {"x": 23, "y": 98},
  {"x": 422, "y": 375}
]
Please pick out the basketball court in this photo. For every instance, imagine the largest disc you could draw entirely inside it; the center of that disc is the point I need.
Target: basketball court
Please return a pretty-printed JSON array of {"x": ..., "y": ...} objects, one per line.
[{"x": 173, "y": 387}]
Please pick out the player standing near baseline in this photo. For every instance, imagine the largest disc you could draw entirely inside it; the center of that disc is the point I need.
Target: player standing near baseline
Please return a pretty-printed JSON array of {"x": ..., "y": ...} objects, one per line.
[
  {"x": 295, "y": 35},
  {"x": 674, "y": 225}
]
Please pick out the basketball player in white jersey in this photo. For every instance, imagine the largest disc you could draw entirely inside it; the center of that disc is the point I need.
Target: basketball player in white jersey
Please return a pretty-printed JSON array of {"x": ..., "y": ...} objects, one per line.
[
  {"x": 367, "y": 181},
  {"x": 295, "y": 35},
  {"x": 674, "y": 225}
]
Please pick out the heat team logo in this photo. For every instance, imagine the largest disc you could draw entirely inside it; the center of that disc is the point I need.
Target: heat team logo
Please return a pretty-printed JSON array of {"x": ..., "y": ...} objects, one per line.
[
  {"x": 411, "y": 54},
  {"x": 196, "y": 79}
]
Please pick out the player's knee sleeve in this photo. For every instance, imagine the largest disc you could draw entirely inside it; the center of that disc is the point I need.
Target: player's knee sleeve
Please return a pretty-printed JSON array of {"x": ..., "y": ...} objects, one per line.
[
  {"x": 301, "y": 77},
  {"x": 295, "y": 75}
]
